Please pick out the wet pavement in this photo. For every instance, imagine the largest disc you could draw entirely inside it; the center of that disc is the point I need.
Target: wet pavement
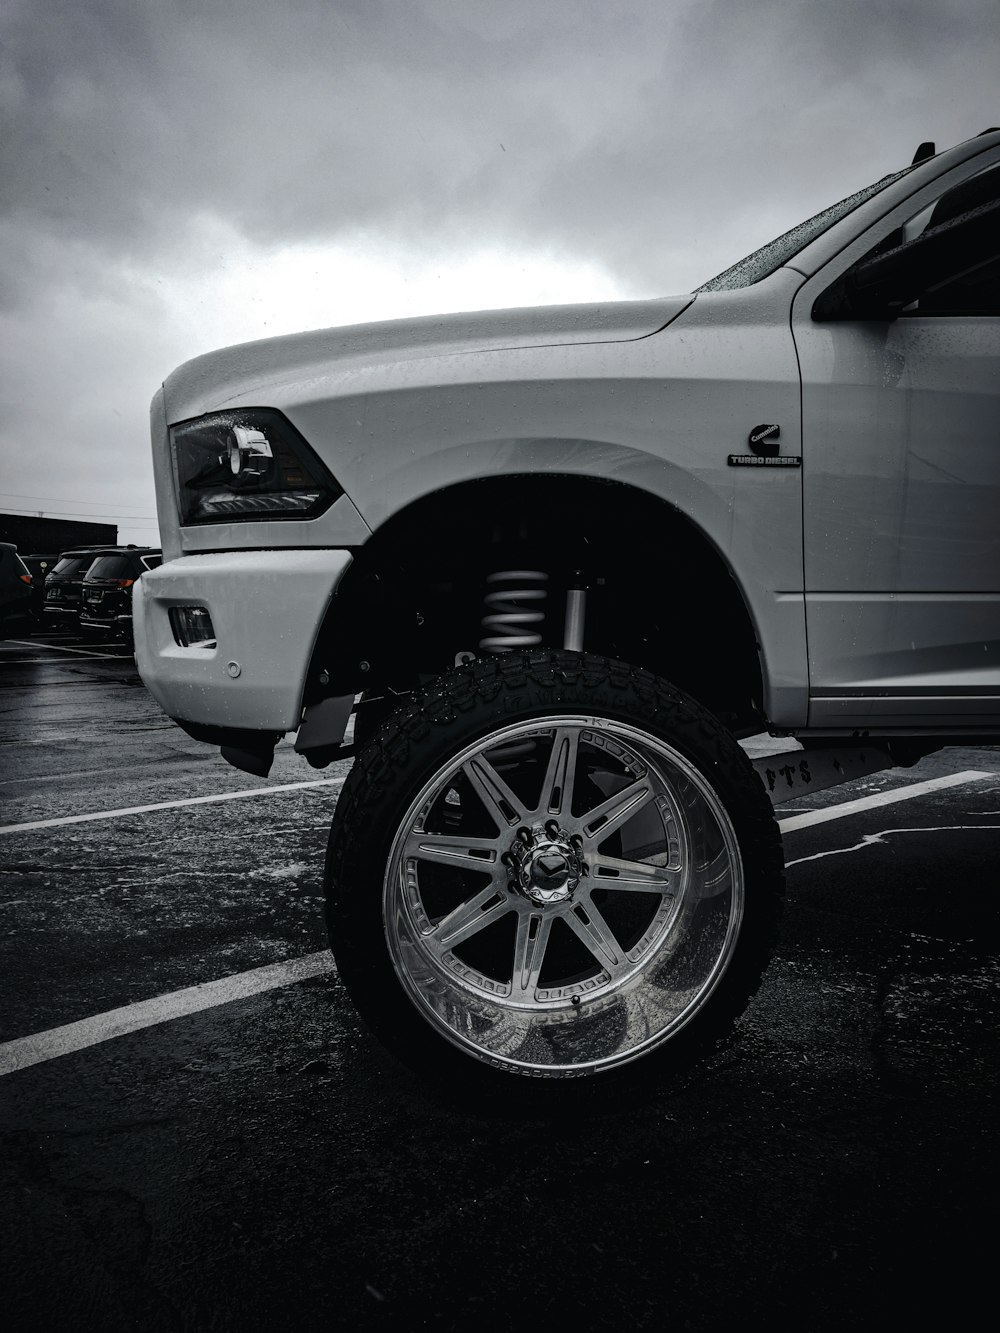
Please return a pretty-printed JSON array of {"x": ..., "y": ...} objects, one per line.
[{"x": 256, "y": 1165}]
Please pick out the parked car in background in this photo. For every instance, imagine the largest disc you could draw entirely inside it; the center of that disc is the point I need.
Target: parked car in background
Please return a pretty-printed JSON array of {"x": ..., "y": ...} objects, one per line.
[
  {"x": 64, "y": 584},
  {"x": 16, "y": 614},
  {"x": 106, "y": 600},
  {"x": 39, "y": 567}
]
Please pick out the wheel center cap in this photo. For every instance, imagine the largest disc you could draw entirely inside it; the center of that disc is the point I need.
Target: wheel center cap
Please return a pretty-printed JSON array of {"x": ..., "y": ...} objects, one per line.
[{"x": 546, "y": 867}]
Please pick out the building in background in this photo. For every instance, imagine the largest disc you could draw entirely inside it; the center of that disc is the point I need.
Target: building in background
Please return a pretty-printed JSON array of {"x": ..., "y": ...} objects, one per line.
[{"x": 33, "y": 535}]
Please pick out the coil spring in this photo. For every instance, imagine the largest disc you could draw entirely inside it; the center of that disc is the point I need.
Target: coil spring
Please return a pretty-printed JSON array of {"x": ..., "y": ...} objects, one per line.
[{"x": 508, "y": 623}]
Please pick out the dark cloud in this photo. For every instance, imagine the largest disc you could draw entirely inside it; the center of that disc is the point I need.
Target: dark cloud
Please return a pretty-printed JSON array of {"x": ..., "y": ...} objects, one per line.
[
  {"x": 661, "y": 140},
  {"x": 609, "y": 128}
]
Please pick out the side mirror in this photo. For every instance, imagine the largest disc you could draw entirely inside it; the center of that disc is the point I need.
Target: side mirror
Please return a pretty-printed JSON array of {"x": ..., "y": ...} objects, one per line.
[{"x": 878, "y": 288}]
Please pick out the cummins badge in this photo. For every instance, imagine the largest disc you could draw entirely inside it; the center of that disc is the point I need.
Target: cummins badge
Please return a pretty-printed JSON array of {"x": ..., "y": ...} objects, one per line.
[{"x": 763, "y": 440}]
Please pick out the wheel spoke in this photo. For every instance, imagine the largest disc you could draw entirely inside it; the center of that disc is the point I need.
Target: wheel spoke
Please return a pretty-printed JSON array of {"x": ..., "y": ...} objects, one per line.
[
  {"x": 529, "y": 949},
  {"x": 505, "y": 808},
  {"x": 538, "y": 920},
  {"x": 557, "y": 785},
  {"x": 469, "y": 853},
  {"x": 470, "y": 917},
  {"x": 632, "y": 874},
  {"x": 600, "y": 822},
  {"x": 587, "y": 922}
]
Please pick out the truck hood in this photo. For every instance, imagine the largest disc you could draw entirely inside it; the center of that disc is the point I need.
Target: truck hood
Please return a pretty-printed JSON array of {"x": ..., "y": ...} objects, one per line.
[{"x": 209, "y": 382}]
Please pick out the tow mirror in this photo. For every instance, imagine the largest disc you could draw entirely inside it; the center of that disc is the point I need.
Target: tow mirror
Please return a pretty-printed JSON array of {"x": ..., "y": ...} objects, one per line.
[{"x": 879, "y": 287}]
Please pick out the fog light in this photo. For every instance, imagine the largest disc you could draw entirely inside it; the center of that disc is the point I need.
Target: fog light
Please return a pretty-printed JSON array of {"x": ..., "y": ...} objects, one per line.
[{"x": 192, "y": 626}]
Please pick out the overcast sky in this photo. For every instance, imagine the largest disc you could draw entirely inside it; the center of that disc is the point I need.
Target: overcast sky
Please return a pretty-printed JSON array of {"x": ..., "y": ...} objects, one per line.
[{"x": 182, "y": 174}]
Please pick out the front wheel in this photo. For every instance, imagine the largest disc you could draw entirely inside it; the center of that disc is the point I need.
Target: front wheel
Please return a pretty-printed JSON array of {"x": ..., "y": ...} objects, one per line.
[{"x": 551, "y": 865}]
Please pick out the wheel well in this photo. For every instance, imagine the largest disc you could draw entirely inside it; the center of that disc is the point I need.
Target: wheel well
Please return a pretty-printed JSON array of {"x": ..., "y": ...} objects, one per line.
[{"x": 659, "y": 595}]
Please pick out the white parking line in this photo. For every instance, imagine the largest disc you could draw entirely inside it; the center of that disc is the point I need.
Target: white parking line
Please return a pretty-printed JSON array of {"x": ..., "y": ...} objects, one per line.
[
  {"x": 890, "y": 797},
  {"x": 41, "y": 1046},
  {"x": 54, "y": 648},
  {"x": 167, "y": 805}
]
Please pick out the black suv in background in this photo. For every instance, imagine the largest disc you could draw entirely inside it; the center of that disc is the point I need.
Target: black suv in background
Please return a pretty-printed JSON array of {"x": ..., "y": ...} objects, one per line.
[
  {"x": 15, "y": 592},
  {"x": 106, "y": 602},
  {"x": 39, "y": 567},
  {"x": 64, "y": 583}
]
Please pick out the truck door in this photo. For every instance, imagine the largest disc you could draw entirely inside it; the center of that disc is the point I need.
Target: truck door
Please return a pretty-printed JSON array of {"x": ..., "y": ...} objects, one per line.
[{"x": 901, "y": 482}]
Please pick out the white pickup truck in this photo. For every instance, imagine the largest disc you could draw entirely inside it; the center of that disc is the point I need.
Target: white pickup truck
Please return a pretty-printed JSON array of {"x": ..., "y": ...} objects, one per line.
[{"x": 557, "y": 563}]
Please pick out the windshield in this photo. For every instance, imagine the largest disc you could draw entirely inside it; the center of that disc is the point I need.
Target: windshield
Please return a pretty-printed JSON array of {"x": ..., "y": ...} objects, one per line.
[
  {"x": 763, "y": 262},
  {"x": 110, "y": 567},
  {"x": 70, "y": 564}
]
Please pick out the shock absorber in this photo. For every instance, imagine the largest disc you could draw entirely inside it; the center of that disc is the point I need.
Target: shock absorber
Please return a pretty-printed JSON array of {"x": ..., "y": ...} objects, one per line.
[
  {"x": 510, "y": 622},
  {"x": 576, "y": 613}
]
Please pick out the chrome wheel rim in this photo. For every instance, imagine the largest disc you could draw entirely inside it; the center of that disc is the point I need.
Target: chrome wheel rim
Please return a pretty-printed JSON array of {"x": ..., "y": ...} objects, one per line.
[{"x": 563, "y": 896}]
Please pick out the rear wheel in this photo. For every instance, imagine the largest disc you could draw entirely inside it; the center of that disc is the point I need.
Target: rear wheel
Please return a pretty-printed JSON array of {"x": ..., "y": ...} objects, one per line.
[{"x": 551, "y": 865}]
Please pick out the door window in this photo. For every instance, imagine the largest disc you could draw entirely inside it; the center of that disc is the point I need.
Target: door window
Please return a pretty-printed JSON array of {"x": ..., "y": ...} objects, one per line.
[{"x": 976, "y": 292}]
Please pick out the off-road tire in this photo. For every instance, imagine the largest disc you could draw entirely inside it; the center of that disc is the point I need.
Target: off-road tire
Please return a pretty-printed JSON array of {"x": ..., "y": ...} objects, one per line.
[{"x": 411, "y": 751}]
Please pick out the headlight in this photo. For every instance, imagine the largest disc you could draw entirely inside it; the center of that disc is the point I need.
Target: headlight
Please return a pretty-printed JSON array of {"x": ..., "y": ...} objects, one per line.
[{"x": 248, "y": 464}]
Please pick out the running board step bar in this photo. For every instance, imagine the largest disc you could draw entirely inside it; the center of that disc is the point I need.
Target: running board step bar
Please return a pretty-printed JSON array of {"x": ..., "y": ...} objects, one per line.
[{"x": 795, "y": 773}]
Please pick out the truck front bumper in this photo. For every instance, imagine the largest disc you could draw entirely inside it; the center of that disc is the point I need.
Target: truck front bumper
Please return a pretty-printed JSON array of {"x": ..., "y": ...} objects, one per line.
[{"x": 266, "y": 608}]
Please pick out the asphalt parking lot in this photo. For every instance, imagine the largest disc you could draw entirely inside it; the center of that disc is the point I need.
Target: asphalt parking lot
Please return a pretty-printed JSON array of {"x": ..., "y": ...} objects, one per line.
[{"x": 197, "y": 1135}]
